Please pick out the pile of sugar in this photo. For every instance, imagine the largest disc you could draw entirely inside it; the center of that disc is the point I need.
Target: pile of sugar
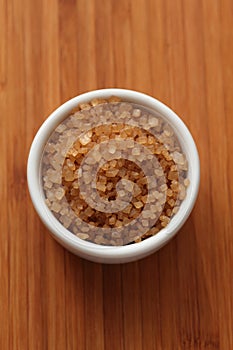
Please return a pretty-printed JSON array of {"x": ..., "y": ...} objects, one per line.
[{"x": 113, "y": 172}]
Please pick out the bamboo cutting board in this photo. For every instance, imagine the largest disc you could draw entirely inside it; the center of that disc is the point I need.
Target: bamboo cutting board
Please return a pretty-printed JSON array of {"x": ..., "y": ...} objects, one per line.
[{"x": 179, "y": 52}]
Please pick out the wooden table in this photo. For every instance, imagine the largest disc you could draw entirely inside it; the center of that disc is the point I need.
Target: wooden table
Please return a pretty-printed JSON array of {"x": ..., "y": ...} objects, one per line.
[{"x": 181, "y": 53}]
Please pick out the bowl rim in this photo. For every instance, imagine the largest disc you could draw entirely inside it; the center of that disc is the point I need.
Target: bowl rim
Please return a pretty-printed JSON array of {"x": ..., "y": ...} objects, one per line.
[{"x": 67, "y": 238}]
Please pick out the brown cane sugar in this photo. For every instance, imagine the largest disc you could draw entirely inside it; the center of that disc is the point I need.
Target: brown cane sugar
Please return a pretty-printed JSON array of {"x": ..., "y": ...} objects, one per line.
[{"x": 113, "y": 172}]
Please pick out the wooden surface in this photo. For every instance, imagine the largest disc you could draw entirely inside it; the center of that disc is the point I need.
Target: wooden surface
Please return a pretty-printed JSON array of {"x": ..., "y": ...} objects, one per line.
[{"x": 181, "y": 53}]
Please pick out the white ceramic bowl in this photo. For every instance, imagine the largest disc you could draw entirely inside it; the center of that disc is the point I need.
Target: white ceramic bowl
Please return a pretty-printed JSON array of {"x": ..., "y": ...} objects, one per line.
[{"x": 110, "y": 254}]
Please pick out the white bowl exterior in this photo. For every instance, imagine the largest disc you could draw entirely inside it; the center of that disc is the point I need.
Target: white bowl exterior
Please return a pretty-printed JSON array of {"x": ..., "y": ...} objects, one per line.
[{"x": 109, "y": 254}]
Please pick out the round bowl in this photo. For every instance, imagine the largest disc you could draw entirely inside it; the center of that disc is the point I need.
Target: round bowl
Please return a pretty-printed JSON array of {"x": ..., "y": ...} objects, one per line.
[{"x": 92, "y": 251}]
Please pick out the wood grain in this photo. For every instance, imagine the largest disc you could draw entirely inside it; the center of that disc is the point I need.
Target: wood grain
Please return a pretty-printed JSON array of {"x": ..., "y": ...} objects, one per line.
[{"x": 181, "y": 53}]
